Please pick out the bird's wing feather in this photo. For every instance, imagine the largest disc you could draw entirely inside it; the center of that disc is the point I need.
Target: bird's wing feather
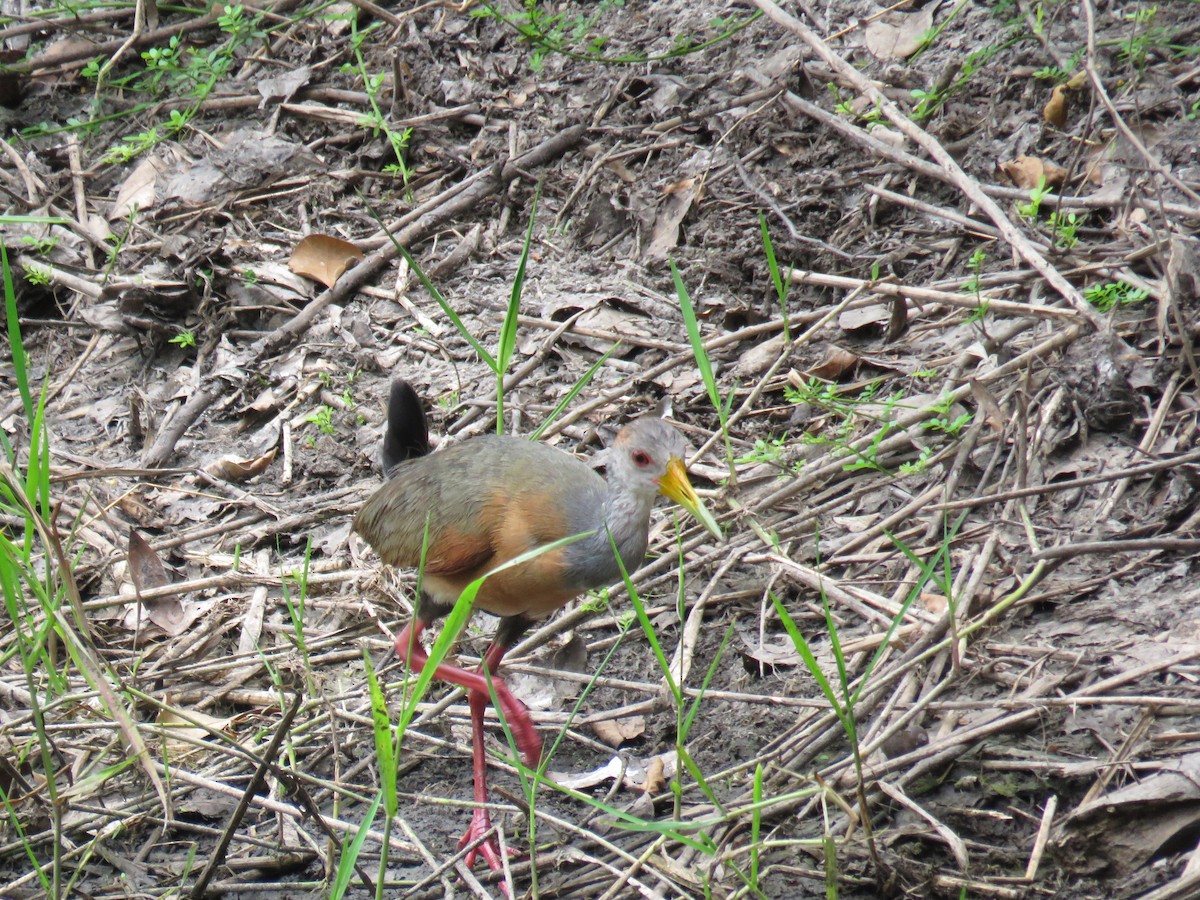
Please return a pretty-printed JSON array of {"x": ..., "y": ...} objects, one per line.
[{"x": 486, "y": 501}]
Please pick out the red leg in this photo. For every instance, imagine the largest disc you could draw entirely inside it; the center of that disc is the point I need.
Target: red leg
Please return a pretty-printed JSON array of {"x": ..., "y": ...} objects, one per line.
[
  {"x": 481, "y": 820},
  {"x": 409, "y": 649}
]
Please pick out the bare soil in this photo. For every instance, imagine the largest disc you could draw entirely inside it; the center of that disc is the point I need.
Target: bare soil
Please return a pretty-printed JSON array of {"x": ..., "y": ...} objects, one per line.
[{"x": 983, "y": 480}]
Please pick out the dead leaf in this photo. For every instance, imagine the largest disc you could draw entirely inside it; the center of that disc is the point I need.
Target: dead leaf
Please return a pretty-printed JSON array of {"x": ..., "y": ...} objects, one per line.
[
  {"x": 837, "y": 363},
  {"x": 571, "y": 655},
  {"x": 70, "y": 47},
  {"x": 1026, "y": 172},
  {"x": 146, "y": 570},
  {"x": 679, "y": 199},
  {"x": 637, "y": 774},
  {"x": 1055, "y": 111},
  {"x": 622, "y": 171},
  {"x": 208, "y": 804},
  {"x": 584, "y": 780},
  {"x": 137, "y": 191},
  {"x": 613, "y": 317},
  {"x": 97, "y": 227},
  {"x": 233, "y": 468},
  {"x": 996, "y": 418},
  {"x": 283, "y": 86},
  {"x": 855, "y": 524},
  {"x": 934, "y": 603},
  {"x": 273, "y": 284},
  {"x": 540, "y": 691},
  {"x": 1121, "y": 831},
  {"x": 171, "y": 614},
  {"x": 266, "y": 402},
  {"x": 759, "y": 358},
  {"x": 641, "y": 807},
  {"x": 765, "y": 655},
  {"x": 899, "y": 35},
  {"x": 248, "y": 159},
  {"x": 180, "y": 733},
  {"x": 655, "y": 781},
  {"x": 865, "y": 320},
  {"x": 323, "y": 258},
  {"x": 616, "y": 732},
  {"x": 517, "y": 97}
]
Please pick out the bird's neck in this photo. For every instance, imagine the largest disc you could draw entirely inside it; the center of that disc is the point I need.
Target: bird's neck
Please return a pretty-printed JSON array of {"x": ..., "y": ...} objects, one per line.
[
  {"x": 621, "y": 518},
  {"x": 626, "y": 524}
]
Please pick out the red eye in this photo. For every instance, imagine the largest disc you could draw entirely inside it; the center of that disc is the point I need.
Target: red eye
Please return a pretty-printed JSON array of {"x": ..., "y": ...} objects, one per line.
[{"x": 640, "y": 458}]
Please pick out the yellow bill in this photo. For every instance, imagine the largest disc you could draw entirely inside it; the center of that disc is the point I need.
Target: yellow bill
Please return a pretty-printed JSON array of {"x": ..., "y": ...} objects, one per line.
[{"x": 676, "y": 486}]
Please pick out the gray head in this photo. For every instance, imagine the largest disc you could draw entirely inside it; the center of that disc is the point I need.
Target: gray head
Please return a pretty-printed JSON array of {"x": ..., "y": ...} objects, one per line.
[{"x": 646, "y": 458}]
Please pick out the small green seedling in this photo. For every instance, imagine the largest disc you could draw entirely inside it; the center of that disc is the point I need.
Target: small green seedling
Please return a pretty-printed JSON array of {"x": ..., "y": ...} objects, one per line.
[
  {"x": 322, "y": 417},
  {"x": 1106, "y": 297},
  {"x": 1029, "y": 210}
]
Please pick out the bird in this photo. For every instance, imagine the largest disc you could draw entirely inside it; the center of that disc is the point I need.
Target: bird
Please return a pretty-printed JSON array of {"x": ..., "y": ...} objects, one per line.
[{"x": 483, "y": 501}]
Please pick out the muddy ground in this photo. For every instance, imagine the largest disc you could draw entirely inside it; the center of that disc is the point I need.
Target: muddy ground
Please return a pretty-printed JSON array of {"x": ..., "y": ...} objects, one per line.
[{"x": 959, "y": 456}]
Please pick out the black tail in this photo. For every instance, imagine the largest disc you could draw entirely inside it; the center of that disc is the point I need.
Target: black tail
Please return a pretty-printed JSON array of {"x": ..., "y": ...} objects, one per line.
[{"x": 407, "y": 433}]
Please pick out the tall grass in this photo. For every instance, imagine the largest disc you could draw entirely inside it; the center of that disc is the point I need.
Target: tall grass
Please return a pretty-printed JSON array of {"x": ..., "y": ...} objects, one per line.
[
  {"x": 43, "y": 604},
  {"x": 844, "y": 693},
  {"x": 32, "y": 592},
  {"x": 723, "y": 406}
]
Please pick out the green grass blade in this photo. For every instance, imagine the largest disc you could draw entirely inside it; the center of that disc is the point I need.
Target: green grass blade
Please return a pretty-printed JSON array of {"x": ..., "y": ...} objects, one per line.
[
  {"x": 351, "y": 851},
  {"x": 508, "y": 329},
  {"x": 75, "y": 630},
  {"x": 781, "y": 286},
  {"x": 688, "y": 763},
  {"x": 694, "y": 338},
  {"x": 831, "y": 867},
  {"x": 454, "y": 318},
  {"x": 573, "y": 392},
  {"x": 839, "y": 657},
  {"x": 806, "y": 654},
  {"x": 755, "y": 825},
  {"x": 644, "y": 620},
  {"x": 708, "y": 677},
  {"x": 385, "y": 751},
  {"x": 929, "y": 573},
  {"x": 458, "y": 323},
  {"x": 19, "y": 832},
  {"x": 20, "y": 365},
  {"x": 37, "y": 472}
]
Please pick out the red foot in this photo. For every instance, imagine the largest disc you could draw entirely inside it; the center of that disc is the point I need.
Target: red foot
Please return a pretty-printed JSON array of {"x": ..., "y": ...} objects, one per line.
[
  {"x": 409, "y": 647},
  {"x": 481, "y": 824}
]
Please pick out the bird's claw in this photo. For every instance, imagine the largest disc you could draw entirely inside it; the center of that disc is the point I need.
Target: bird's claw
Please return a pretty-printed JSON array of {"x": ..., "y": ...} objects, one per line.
[{"x": 489, "y": 848}]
